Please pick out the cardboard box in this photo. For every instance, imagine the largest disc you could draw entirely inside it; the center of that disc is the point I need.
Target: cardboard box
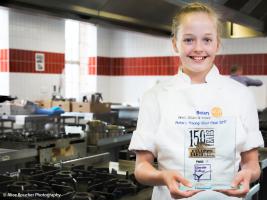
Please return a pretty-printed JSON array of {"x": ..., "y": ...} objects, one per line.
[
  {"x": 100, "y": 107},
  {"x": 80, "y": 107},
  {"x": 44, "y": 103},
  {"x": 64, "y": 105}
]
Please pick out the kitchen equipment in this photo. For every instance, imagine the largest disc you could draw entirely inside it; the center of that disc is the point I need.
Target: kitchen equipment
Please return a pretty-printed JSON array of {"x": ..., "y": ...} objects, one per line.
[
  {"x": 97, "y": 130},
  {"x": 42, "y": 133},
  {"x": 96, "y": 98},
  {"x": 115, "y": 130},
  {"x": 73, "y": 183}
]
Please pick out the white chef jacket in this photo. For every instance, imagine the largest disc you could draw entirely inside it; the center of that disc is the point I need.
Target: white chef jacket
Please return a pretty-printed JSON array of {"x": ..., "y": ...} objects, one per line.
[{"x": 161, "y": 105}]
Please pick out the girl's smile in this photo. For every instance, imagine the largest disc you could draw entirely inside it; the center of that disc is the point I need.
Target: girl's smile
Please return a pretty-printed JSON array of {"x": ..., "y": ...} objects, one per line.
[{"x": 198, "y": 58}]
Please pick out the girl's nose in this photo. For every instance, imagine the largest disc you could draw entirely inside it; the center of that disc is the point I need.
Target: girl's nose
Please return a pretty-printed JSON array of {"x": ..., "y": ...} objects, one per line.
[{"x": 198, "y": 46}]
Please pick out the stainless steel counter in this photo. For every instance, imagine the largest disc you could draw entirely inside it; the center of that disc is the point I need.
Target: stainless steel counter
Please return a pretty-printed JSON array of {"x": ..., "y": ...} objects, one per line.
[
  {"x": 13, "y": 159},
  {"x": 12, "y": 154}
]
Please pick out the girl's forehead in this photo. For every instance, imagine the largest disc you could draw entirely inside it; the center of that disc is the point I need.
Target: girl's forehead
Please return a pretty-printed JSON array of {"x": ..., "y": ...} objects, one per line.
[
  {"x": 200, "y": 21},
  {"x": 198, "y": 17}
]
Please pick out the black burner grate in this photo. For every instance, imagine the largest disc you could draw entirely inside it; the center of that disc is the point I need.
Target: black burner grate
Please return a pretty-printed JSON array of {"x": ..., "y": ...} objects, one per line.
[{"x": 76, "y": 183}]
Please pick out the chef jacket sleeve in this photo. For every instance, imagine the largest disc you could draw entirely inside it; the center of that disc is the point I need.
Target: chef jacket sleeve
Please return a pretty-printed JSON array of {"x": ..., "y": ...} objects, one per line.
[
  {"x": 250, "y": 123},
  {"x": 148, "y": 120}
]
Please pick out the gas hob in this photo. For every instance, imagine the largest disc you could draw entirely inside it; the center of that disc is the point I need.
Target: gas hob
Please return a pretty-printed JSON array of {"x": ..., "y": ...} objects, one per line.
[{"x": 75, "y": 183}]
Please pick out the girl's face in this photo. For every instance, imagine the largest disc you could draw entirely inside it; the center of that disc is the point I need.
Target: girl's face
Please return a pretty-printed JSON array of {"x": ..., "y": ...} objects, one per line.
[{"x": 197, "y": 43}]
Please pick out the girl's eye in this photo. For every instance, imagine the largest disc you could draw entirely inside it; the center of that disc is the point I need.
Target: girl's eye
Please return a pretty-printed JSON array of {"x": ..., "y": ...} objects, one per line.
[
  {"x": 188, "y": 40},
  {"x": 207, "y": 40}
]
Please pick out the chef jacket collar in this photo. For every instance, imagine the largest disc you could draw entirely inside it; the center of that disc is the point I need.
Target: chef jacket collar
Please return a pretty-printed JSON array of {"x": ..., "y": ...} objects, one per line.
[{"x": 211, "y": 77}]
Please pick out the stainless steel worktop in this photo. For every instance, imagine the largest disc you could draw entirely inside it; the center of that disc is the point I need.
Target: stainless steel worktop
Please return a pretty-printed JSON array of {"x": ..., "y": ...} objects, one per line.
[{"x": 13, "y": 154}]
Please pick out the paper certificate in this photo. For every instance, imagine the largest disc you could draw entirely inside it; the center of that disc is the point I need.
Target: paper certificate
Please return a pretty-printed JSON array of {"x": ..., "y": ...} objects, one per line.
[{"x": 209, "y": 152}]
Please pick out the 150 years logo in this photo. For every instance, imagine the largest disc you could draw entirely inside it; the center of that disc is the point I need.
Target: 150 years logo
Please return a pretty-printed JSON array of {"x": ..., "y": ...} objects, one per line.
[{"x": 201, "y": 143}]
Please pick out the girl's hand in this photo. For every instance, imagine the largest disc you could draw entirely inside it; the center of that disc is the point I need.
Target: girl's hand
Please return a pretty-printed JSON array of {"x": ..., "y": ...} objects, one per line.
[
  {"x": 250, "y": 171},
  {"x": 242, "y": 178},
  {"x": 172, "y": 180}
]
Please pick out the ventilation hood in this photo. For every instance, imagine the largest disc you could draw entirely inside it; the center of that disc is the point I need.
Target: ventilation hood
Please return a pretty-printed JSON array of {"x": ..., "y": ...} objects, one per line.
[{"x": 154, "y": 16}]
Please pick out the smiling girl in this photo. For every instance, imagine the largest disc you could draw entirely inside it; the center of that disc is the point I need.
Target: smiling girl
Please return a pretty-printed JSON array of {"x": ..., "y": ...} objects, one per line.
[{"x": 197, "y": 91}]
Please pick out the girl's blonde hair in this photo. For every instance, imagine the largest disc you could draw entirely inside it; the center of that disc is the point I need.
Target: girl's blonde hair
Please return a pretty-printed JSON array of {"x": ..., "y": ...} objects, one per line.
[{"x": 193, "y": 8}]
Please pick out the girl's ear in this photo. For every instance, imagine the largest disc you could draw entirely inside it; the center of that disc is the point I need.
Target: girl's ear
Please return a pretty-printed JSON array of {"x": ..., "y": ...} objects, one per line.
[{"x": 174, "y": 45}]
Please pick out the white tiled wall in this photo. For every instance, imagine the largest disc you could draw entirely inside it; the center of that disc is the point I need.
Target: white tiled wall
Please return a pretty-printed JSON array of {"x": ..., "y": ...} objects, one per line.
[
  {"x": 244, "y": 45},
  {"x": 4, "y": 21},
  {"x": 4, "y": 83},
  {"x": 104, "y": 41},
  {"x": 34, "y": 87},
  {"x": 36, "y": 32},
  {"x": 114, "y": 42},
  {"x": 126, "y": 89}
]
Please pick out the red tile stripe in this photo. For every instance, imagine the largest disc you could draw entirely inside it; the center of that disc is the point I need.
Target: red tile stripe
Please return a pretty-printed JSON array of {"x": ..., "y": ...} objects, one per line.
[
  {"x": 253, "y": 64},
  {"x": 4, "y": 60},
  {"x": 136, "y": 66},
  {"x": 92, "y": 63},
  {"x": 24, "y": 61},
  {"x": 17, "y": 60}
]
